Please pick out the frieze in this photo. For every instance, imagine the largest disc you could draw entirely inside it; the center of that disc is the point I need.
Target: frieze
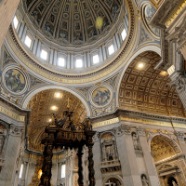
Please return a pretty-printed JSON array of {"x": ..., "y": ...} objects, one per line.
[
  {"x": 105, "y": 123},
  {"x": 152, "y": 122},
  {"x": 12, "y": 114},
  {"x": 142, "y": 118}
]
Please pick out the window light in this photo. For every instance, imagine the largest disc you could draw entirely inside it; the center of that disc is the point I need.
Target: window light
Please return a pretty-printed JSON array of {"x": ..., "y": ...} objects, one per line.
[
  {"x": 28, "y": 41},
  {"x": 54, "y": 108},
  {"x": 15, "y": 22},
  {"x": 111, "y": 49},
  {"x": 95, "y": 59},
  {"x": 79, "y": 63},
  {"x": 44, "y": 54},
  {"x": 123, "y": 34},
  {"x": 140, "y": 65},
  {"x": 63, "y": 171},
  {"x": 21, "y": 171},
  {"x": 61, "y": 62}
]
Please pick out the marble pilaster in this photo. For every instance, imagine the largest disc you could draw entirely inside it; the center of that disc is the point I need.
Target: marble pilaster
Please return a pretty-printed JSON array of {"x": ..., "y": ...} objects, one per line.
[
  {"x": 127, "y": 158},
  {"x": 12, "y": 156},
  {"x": 179, "y": 81},
  {"x": 149, "y": 163},
  {"x": 97, "y": 160}
]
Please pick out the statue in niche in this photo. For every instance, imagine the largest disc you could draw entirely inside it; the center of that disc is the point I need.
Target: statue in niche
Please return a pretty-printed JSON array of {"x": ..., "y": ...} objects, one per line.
[
  {"x": 144, "y": 180},
  {"x": 135, "y": 141},
  {"x": 109, "y": 149}
]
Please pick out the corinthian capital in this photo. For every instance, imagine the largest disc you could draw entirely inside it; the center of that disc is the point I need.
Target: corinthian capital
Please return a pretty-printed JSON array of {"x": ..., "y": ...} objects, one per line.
[
  {"x": 180, "y": 83},
  {"x": 16, "y": 130}
]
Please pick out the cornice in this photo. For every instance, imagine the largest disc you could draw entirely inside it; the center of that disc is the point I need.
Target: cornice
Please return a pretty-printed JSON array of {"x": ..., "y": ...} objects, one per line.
[
  {"x": 140, "y": 118},
  {"x": 164, "y": 11}
]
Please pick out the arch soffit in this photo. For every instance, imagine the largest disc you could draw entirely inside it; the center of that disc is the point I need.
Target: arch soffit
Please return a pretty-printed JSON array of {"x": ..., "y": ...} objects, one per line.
[
  {"x": 167, "y": 138},
  {"x": 150, "y": 48},
  {"x": 107, "y": 132},
  {"x": 49, "y": 87}
]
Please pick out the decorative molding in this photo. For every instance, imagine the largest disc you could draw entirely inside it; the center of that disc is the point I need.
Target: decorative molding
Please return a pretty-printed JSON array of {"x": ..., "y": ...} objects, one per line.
[
  {"x": 12, "y": 114},
  {"x": 180, "y": 84},
  {"x": 141, "y": 131},
  {"x": 180, "y": 135},
  {"x": 106, "y": 123},
  {"x": 15, "y": 130},
  {"x": 126, "y": 129}
]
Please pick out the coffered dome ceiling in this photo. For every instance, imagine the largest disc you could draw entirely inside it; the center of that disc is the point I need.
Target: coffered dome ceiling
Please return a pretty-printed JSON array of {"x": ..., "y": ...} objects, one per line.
[{"x": 73, "y": 22}]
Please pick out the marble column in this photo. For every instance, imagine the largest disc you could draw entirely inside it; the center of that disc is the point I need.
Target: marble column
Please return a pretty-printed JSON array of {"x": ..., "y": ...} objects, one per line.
[
  {"x": 97, "y": 159},
  {"x": 8, "y": 172},
  {"x": 7, "y": 11},
  {"x": 149, "y": 162},
  {"x": 127, "y": 157}
]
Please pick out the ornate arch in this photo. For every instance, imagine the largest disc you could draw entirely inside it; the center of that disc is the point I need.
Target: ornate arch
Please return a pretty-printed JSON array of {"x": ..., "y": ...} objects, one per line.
[
  {"x": 163, "y": 147},
  {"x": 147, "y": 89},
  {"x": 114, "y": 177},
  {"x": 32, "y": 93}
]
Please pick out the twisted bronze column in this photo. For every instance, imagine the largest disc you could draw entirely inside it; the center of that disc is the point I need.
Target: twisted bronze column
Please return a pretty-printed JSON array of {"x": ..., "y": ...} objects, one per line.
[{"x": 80, "y": 167}]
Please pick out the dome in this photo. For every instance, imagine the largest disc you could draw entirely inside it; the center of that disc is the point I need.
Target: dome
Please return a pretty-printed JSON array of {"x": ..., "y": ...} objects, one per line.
[
  {"x": 73, "y": 22},
  {"x": 75, "y": 41}
]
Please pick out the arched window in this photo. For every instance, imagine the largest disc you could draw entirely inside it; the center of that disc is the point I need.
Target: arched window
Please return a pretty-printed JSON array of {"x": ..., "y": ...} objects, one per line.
[
  {"x": 21, "y": 171},
  {"x": 63, "y": 170}
]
